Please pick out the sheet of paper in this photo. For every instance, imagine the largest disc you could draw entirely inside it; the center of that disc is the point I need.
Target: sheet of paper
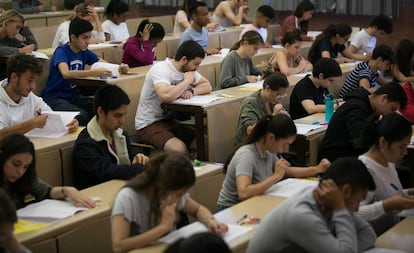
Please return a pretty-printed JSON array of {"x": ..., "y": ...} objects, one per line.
[
  {"x": 40, "y": 55},
  {"x": 223, "y": 52},
  {"x": 313, "y": 34},
  {"x": 197, "y": 100},
  {"x": 197, "y": 227},
  {"x": 277, "y": 46},
  {"x": 382, "y": 250},
  {"x": 303, "y": 74},
  {"x": 100, "y": 45},
  {"x": 306, "y": 128},
  {"x": 55, "y": 125},
  {"x": 290, "y": 186},
  {"x": 407, "y": 213},
  {"x": 48, "y": 210},
  {"x": 23, "y": 226},
  {"x": 109, "y": 66},
  {"x": 258, "y": 85}
]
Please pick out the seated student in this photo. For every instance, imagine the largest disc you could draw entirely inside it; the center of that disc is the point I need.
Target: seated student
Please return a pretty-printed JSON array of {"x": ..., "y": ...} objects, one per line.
[
  {"x": 308, "y": 95},
  {"x": 408, "y": 111},
  {"x": 237, "y": 67},
  {"x": 12, "y": 24},
  {"x": 345, "y": 126},
  {"x": 102, "y": 150},
  {"x": 364, "y": 42},
  {"x": 165, "y": 82},
  {"x": 19, "y": 179},
  {"x": 68, "y": 62},
  {"x": 8, "y": 217},
  {"x": 139, "y": 50},
  {"x": 388, "y": 137},
  {"x": 255, "y": 166},
  {"x": 182, "y": 19},
  {"x": 321, "y": 219},
  {"x": 201, "y": 243},
  {"x": 147, "y": 207},
  {"x": 86, "y": 12},
  {"x": 330, "y": 43},
  {"x": 20, "y": 108},
  {"x": 367, "y": 74},
  {"x": 288, "y": 59},
  {"x": 264, "y": 15},
  {"x": 30, "y": 6},
  {"x": 403, "y": 56},
  {"x": 265, "y": 101},
  {"x": 299, "y": 19},
  {"x": 231, "y": 13},
  {"x": 197, "y": 31},
  {"x": 114, "y": 26}
]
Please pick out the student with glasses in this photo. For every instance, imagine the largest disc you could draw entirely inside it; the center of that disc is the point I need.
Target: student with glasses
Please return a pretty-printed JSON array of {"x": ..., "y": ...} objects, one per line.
[{"x": 308, "y": 96}]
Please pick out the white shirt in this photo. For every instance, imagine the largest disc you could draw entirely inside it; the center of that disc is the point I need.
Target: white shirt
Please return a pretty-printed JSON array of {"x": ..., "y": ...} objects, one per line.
[
  {"x": 250, "y": 27},
  {"x": 117, "y": 32},
  {"x": 62, "y": 35},
  {"x": 364, "y": 42},
  {"x": 179, "y": 17}
]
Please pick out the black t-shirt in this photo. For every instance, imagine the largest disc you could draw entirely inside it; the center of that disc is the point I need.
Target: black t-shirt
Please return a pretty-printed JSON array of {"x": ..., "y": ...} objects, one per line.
[{"x": 325, "y": 45}]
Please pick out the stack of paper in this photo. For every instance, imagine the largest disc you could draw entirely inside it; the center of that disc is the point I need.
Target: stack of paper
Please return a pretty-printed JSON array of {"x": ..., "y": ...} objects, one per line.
[
  {"x": 197, "y": 100},
  {"x": 306, "y": 128},
  {"x": 55, "y": 125},
  {"x": 290, "y": 187}
]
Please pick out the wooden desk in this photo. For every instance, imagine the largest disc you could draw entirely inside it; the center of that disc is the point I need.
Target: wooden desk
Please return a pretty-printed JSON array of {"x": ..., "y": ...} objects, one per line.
[
  {"x": 257, "y": 206},
  {"x": 401, "y": 236},
  {"x": 87, "y": 231}
]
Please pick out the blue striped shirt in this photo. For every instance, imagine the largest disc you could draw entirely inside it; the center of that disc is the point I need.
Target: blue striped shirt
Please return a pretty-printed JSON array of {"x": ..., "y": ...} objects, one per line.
[{"x": 361, "y": 71}]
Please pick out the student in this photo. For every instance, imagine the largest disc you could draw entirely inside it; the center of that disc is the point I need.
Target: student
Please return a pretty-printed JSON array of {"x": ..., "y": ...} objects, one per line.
[
  {"x": 165, "y": 82},
  {"x": 139, "y": 50},
  {"x": 299, "y": 19},
  {"x": 20, "y": 108},
  {"x": 231, "y": 13},
  {"x": 102, "y": 150},
  {"x": 388, "y": 137},
  {"x": 182, "y": 19},
  {"x": 308, "y": 95},
  {"x": 8, "y": 217},
  {"x": 146, "y": 208},
  {"x": 18, "y": 175},
  {"x": 403, "y": 56},
  {"x": 330, "y": 43},
  {"x": 201, "y": 243},
  {"x": 237, "y": 67},
  {"x": 408, "y": 111},
  {"x": 288, "y": 59},
  {"x": 264, "y": 15},
  {"x": 197, "y": 31},
  {"x": 367, "y": 74},
  {"x": 321, "y": 219},
  {"x": 255, "y": 166},
  {"x": 365, "y": 40},
  {"x": 114, "y": 26},
  {"x": 86, "y": 12},
  {"x": 30, "y": 6},
  {"x": 12, "y": 24},
  {"x": 68, "y": 62},
  {"x": 345, "y": 126},
  {"x": 265, "y": 101}
]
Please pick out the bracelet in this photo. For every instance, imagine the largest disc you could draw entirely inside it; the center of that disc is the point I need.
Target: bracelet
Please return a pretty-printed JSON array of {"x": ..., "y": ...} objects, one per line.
[{"x": 63, "y": 190}]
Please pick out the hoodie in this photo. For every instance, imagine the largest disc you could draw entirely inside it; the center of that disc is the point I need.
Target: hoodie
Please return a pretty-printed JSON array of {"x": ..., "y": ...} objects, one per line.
[{"x": 346, "y": 126}]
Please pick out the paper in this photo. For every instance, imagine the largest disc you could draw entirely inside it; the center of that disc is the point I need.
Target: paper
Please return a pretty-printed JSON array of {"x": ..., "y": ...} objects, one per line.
[
  {"x": 313, "y": 34},
  {"x": 290, "y": 186},
  {"x": 114, "y": 68},
  {"x": 100, "y": 45},
  {"x": 55, "y": 125},
  {"x": 40, "y": 55},
  {"x": 23, "y": 226},
  {"x": 223, "y": 52},
  {"x": 197, "y": 227},
  {"x": 382, "y": 250},
  {"x": 303, "y": 74},
  {"x": 407, "y": 213},
  {"x": 48, "y": 210},
  {"x": 197, "y": 100},
  {"x": 306, "y": 128},
  {"x": 277, "y": 46},
  {"x": 257, "y": 85}
]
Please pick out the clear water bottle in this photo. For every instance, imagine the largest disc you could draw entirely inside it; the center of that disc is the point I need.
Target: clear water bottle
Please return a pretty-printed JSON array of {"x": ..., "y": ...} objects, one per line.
[{"x": 329, "y": 106}]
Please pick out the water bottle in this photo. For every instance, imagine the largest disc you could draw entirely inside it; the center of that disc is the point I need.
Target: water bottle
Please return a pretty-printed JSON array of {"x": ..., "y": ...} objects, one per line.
[{"x": 329, "y": 106}]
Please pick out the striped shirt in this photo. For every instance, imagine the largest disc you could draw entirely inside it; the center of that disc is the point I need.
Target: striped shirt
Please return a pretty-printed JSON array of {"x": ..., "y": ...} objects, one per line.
[{"x": 361, "y": 71}]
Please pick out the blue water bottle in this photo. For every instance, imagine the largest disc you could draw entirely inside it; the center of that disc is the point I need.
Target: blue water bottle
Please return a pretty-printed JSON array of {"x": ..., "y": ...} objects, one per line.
[{"x": 329, "y": 106}]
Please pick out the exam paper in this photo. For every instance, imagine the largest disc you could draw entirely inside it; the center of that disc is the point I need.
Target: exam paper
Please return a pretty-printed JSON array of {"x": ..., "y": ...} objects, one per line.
[
  {"x": 306, "y": 128},
  {"x": 290, "y": 186},
  {"x": 55, "y": 125},
  {"x": 40, "y": 55},
  {"x": 258, "y": 85},
  {"x": 109, "y": 66},
  {"x": 197, "y": 100}
]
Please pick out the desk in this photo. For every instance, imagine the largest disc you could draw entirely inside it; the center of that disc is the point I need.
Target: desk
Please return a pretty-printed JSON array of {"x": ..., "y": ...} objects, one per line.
[
  {"x": 257, "y": 206},
  {"x": 87, "y": 231},
  {"x": 401, "y": 236}
]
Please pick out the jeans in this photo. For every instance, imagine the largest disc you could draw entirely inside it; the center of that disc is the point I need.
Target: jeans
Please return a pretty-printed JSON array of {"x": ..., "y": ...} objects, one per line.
[{"x": 78, "y": 103}]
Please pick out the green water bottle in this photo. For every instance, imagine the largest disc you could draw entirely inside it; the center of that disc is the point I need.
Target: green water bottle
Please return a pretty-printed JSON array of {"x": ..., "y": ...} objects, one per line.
[{"x": 329, "y": 106}]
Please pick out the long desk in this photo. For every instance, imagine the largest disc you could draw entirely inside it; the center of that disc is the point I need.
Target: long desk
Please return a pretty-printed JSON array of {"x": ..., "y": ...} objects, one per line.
[
  {"x": 400, "y": 237},
  {"x": 257, "y": 206}
]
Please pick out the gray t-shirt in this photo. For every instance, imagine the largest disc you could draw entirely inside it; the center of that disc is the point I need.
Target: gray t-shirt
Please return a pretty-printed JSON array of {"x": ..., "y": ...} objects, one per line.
[
  {"x": 134, "y": 206},
  {"x": 297, "y": 225},
  {"x": 149, "y": 107},
  {"x": 250, "y": 161}
]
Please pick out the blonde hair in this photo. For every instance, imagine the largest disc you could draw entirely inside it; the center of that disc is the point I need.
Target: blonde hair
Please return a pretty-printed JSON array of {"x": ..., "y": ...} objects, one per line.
[
  {"x": 251, "y": 37},
  {"x": 10, "y": 15}
]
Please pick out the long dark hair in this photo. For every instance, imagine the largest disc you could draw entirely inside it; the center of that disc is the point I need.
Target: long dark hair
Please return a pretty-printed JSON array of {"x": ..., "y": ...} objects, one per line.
[
  {"x": 163, "y": 172},
  {"x": 281, "y": 125},
  {"x": 157, "y": 31},
  {"x": 12, "y": 145},
  {"x": 303, "y": 6},
  {"x": 403, "y": 55}
]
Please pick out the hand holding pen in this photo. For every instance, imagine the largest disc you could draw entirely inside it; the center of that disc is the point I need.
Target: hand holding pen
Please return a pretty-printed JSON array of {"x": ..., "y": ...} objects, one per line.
[
  {"x": 26, "y": 49},
  {"x": 399, "y": 201},
  {"x": 39, "y": 120}
]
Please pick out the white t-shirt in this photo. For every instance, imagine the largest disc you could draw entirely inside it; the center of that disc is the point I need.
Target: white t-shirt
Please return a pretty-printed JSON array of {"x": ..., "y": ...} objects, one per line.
[
  {"x": 62, "y": 35},
  {"x": 364, "y": 42},
  {"x": 250, "y": 27},
  {"x": 12, "y": 113},
  {"x": 179, "y": 17},
  {"x": 117, "y": 32},
  {"x": 149, "y": 107}
]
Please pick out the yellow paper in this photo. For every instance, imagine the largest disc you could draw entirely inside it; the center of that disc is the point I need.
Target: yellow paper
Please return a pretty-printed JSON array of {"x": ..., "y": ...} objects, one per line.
[{"x": 23, "y": 226}]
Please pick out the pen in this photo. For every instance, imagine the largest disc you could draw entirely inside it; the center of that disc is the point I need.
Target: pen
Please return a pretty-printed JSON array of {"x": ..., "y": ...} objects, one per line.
[
  {"x": 241, "y": 219},
  {"x": 280, "y": 157},
  {"x": 38, "y": 112},
  {"x": 396, "y": 189}
]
